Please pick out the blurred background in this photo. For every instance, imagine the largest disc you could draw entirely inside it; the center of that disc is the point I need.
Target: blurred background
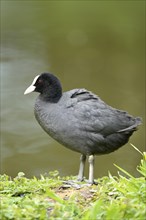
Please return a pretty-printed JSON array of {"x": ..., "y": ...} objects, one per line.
[{"x": 97, "y": 45}]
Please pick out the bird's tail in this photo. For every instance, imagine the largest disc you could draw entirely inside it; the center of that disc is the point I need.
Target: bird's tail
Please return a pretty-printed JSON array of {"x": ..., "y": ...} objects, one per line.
[{"x": 138, "y": 121}]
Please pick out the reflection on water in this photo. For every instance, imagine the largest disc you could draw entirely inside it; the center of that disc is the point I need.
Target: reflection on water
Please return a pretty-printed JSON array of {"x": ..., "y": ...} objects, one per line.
[{"x": 86, "y": 44}]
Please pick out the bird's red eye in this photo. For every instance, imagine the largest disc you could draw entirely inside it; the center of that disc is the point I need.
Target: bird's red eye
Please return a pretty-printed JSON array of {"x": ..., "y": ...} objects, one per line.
[{"x": 40, "y": 81}]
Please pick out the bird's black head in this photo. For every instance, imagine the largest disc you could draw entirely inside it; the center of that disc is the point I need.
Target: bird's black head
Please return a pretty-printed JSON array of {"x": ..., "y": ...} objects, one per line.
[{"x": 48, "y": 86}]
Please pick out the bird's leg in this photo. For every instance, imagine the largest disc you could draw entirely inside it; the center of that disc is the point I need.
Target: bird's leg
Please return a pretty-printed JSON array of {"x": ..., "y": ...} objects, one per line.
[
  {"x": 81, "y": 168},
  {"x": 91, "y": 169}
]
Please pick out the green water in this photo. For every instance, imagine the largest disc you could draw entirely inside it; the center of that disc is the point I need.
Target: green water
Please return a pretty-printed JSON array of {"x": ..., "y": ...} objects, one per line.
[{"x": 98, "y": 45}]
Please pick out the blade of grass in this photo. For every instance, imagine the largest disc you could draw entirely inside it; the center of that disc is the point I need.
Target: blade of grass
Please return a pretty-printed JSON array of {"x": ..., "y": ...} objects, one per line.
[
  {"x": 136, "y": 149},
  {"x": 53, "y": 196},
  {"x": 124, "y": 171}
]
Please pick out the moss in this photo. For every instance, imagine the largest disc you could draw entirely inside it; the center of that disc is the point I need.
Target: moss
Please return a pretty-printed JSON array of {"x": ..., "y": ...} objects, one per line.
[{"x": 53, "y": 197}]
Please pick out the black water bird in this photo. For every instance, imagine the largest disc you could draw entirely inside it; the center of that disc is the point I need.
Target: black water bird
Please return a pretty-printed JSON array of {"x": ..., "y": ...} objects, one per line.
[{"x": 80, "y": 120}]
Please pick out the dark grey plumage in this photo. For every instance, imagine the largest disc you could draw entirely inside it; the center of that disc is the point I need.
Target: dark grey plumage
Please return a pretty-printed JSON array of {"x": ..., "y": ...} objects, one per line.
[{"x": 80, "y": 120}]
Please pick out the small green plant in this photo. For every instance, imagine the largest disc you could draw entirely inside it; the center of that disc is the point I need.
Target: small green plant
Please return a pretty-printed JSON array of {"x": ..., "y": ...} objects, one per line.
[{"x": 51, "y": 197}]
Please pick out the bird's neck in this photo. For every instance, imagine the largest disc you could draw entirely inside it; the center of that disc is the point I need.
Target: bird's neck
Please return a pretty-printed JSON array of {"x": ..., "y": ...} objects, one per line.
[{"x": 52, "y": 94}]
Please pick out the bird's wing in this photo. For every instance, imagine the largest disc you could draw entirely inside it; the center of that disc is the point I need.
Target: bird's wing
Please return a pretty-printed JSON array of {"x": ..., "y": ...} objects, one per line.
[{"x": 94, "y": 115}]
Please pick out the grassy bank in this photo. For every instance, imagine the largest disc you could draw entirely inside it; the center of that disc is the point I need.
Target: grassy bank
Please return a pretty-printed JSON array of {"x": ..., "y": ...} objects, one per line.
[{"x": 52, "y": 197}]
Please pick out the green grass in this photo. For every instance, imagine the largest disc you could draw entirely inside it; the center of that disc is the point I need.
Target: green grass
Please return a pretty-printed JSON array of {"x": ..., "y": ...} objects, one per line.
[{"x": 50, "y": 197}]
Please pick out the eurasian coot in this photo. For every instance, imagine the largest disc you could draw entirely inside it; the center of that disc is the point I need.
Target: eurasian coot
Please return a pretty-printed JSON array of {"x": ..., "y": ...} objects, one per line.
[{"x": 80, "y": 120}]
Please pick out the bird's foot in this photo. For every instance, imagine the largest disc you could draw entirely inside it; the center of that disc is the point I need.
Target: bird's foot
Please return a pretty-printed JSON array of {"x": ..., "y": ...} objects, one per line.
[
  {"x": 72, "y": 183},
  {"x": 80, "y": 179},
  {"x": 92, "y": 182},
  {"x": 79, "y": 183}
]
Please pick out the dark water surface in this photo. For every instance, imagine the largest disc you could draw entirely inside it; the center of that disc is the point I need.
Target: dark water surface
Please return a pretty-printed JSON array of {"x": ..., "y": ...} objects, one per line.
[{"x": 98, "y": 45}]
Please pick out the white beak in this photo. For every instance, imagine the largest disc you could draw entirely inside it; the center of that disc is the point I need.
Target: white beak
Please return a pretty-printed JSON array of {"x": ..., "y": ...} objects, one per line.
[{"x": 31, "y": 88}]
